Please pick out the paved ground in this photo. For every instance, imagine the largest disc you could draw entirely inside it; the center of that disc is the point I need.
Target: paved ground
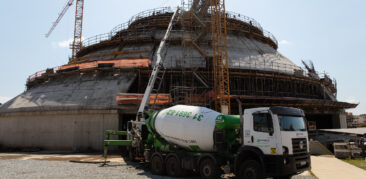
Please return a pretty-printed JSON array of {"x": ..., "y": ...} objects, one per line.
[
  {"x": 329, "y": 167},
  {"x": 58, "y": 166}
]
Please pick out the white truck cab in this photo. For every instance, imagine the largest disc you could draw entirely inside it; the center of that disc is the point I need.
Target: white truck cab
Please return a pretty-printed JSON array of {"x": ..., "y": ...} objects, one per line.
[{"x": 278, "y": 136}]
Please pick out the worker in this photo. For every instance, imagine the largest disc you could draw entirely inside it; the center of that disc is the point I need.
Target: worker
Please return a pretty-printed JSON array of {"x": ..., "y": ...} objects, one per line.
[{"x": 363, "y": 145}]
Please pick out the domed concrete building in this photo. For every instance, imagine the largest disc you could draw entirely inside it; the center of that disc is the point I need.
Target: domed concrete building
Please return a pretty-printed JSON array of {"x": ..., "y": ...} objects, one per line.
[{"x": 69, "y": 107}]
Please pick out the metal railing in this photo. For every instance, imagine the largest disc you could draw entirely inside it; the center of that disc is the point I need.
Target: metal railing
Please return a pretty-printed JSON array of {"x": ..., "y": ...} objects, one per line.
[
  {"x": 271, "y": 65},
  {"x": 40, "y": 73},
  {"x": 244, "y": 18},
  {"x": 172, "y": 63},
  {"x": 124, "y": 26},
  {"x": 96, "y": 39},
  {"x": 268, "y": 66},
  {"x": 271, "y": 36},
  {"x": 252, "y": 22},
  {"x": 151, "y": 12}
]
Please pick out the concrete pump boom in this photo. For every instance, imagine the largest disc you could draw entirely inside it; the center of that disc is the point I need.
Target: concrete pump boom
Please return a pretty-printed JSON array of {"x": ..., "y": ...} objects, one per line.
[{"x": 158, "y": 65}]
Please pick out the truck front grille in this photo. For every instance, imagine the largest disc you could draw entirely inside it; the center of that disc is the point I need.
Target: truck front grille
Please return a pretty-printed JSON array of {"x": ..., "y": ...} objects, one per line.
[{"x": 300, "y": 152}]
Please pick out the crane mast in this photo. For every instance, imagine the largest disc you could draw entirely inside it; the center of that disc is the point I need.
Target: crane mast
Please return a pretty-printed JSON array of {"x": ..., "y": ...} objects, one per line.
[
  {"x": 76, "y": 45},
  {"x": 78, "y": 26},
  {"x": 220, "y": 56}
]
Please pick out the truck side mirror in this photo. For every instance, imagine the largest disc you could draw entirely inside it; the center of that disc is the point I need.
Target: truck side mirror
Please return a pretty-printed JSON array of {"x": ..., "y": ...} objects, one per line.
[
  {"x": 270, "y": 125},
  {"x": 271, "y": 131}
]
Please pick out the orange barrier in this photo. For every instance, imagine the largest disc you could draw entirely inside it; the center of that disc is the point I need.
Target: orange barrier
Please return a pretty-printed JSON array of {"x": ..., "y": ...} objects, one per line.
[
  {"x": 133, "y": 98},
  {"x": 122, "y": 63}
]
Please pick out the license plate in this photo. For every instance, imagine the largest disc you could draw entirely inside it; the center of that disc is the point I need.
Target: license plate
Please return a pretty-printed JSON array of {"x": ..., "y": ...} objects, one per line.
[{"x": 303, "y": 163}]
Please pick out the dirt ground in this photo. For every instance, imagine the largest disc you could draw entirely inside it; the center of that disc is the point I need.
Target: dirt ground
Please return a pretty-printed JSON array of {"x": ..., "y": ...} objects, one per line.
[{"x": 50, "y": 165}]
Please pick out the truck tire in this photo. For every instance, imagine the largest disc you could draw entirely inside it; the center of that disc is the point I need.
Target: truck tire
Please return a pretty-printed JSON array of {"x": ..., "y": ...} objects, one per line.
[
  {"x": 157, "y": 165},
  {"x": 124, "y": 152},
  {"x": 209, "y": 169},
  {"x": 130, "y": 157},
  {"x": 250, "y": 169},
  {"x": 173, "y": 166}
]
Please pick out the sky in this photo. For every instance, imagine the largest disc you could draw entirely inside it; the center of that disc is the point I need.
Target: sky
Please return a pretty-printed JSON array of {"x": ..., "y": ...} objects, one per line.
[{"x": 331, "y": 33}]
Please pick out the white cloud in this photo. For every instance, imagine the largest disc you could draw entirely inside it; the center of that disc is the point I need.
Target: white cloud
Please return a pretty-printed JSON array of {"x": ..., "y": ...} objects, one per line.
[
  {"x": 4, "y": 99},
  {"x": 65, "y": 43},
  {"x": 285, "y": 42}
]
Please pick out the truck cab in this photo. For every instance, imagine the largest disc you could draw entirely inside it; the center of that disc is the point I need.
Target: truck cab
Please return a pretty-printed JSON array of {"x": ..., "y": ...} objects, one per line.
[{"x": 274, "y": 141}]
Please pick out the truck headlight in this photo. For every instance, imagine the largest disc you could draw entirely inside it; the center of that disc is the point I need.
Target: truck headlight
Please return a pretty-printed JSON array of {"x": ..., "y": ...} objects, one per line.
[{"x": 285, "y": 154}]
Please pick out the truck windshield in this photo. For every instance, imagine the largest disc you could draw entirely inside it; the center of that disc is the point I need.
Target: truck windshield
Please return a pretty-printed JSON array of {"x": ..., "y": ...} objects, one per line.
[{"x": 291, "y": 123}]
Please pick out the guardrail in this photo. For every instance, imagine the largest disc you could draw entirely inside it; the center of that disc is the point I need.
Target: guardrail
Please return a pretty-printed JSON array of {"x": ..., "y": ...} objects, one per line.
[
  {"x": 151, "y": 12},
  {"x": 244, "y": 18},
  {"x": 269, "y": 66},
  {"x": 198, "y": 63},
  {"x": 40, "y": 73},
  {"x": 124, "y": 26},
  {"x": 142, "y": 63},
  {"x": 271, "y": 36},
  {"x": 96, "y": 39}
]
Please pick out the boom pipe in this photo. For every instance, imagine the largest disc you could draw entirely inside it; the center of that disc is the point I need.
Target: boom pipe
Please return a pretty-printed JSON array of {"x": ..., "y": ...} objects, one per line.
[{"x": 154, "y": 73}]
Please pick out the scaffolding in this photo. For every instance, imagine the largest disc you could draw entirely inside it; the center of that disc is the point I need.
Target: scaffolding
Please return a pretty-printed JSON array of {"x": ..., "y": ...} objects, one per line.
[
  {"x": 189, "y": 73},
  {"x": 148, "y": 20}
]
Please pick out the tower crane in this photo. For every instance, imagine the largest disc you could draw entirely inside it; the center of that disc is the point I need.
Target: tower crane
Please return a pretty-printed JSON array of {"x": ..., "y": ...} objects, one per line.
[
  {"x": 219, "y": 44},
  {"x": 220, "y": 56},
  {"x": 78, "y": 27}
]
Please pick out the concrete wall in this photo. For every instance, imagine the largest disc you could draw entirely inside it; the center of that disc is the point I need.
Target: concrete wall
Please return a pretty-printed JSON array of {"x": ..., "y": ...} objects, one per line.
[
  {"x": 343, "y": 120},
  {"x": 67, "y": 130},
  {"x": 74, "y": 91},
  {"x": 339, "y": 121}
]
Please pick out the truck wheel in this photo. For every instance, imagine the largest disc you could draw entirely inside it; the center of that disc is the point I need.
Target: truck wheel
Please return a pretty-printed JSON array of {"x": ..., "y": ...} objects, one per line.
[
  {"x": 250, "y": 169},
  {"x": 173, "y": 167},
  {"x": 130, "y": 156},
  {"x": 157, "y": 164},
  {"x": 209, "y": 170}
]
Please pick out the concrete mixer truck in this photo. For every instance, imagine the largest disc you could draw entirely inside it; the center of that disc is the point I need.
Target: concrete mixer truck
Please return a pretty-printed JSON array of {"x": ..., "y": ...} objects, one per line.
[{"x": 262, "y": 142}]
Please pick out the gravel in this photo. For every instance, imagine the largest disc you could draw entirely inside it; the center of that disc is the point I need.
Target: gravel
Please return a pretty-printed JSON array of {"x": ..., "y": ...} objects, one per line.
[
  {"x": 63, "y": 169},
  {"x": 57, "y": 169}
]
